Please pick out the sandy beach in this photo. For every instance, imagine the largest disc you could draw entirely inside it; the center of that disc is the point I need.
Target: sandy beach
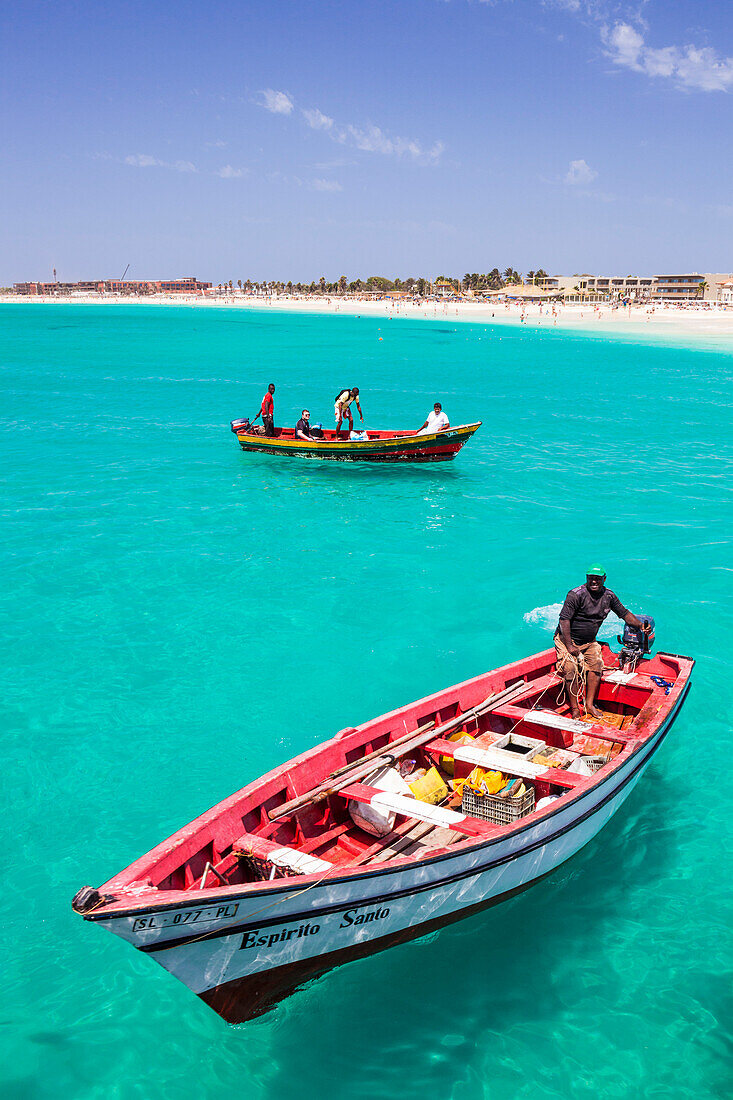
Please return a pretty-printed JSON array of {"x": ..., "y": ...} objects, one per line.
[{"x": 692, "y": 321}]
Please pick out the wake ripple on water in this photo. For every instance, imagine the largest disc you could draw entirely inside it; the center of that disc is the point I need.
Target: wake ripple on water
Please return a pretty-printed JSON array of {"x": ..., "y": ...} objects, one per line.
[{"x": 546, "y": 618}]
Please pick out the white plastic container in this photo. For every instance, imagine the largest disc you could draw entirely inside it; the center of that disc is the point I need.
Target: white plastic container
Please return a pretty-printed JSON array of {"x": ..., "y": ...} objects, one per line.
[{"x": 372, "y": 820}]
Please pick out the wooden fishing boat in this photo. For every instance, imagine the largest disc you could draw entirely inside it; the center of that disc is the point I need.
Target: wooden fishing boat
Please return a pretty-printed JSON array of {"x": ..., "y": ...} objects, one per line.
[
  {"x": 278, "y": 884},
  {"x": 381, "y": 446}
]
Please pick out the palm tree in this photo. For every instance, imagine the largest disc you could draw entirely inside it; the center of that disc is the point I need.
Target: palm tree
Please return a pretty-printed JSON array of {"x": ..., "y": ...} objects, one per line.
[{"x": 531, "y": 276}]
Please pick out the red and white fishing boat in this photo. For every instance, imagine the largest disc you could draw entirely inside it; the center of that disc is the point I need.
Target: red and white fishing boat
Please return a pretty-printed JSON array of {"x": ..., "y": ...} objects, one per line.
[
  {"x": 278, "y": 884},
  {"x": 378, "y": 446}
]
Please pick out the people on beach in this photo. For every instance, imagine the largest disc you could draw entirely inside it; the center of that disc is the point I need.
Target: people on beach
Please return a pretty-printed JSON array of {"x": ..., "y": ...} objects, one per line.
[
  {"x": 342, "y": 408},
  {"x": 437, "y": 421},
  {"x": 303, "y": 429},
  {"x": 267, "y": 411},
  {"x": 578, "y": 652}
]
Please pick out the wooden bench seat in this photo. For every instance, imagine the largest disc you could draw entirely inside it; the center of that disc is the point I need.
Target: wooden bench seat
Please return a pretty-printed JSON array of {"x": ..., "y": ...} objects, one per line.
[
  {"x": 279, "y": 855},
  {"x": 549, "y": 720},
  {"x": 413, "y": 807}
]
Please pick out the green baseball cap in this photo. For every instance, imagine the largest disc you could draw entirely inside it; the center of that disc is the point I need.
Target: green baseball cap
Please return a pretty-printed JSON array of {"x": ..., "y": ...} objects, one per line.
[{"x": 595, "y": 571}]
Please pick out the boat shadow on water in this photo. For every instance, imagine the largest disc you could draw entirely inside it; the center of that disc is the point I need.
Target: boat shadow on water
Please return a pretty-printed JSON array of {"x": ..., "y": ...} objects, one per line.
[
  {"x": 304, "y": 466},
  {"x": 473, "y": 981}
]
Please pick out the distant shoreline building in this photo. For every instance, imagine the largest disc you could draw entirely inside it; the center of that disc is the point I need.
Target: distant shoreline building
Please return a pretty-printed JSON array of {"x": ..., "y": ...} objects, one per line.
[
  {"x": 188, "y": 284},
  {"x": 706, "y": 287}
]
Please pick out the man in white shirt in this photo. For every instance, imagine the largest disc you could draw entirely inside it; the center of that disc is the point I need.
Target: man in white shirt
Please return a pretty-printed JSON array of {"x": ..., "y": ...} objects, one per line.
[{"x": 437, "y": 421}]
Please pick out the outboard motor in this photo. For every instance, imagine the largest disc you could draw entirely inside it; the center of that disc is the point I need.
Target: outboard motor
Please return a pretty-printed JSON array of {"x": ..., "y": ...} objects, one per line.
[
  {"x": 636, "y": 643},
  {"x": 241, "y": 425}
]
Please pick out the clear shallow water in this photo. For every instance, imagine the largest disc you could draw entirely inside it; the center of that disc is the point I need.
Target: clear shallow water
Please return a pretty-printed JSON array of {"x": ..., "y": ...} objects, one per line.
[{"x": 179, "y": 616}]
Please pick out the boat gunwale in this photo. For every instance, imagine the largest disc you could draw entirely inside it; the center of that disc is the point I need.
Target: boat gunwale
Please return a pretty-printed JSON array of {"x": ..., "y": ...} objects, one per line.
[
  {"x": 397, "y": 437},
  {"x": 347, "y": 872}
]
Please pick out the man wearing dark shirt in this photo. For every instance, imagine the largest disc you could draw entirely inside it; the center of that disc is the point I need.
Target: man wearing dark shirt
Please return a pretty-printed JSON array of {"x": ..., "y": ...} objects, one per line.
[
  {"x": 577, "y": 650},
  {"x": 303, "y": 428}
]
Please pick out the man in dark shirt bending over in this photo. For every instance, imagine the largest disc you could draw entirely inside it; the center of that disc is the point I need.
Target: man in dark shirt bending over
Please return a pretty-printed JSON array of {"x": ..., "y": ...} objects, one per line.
[{"x": 584, "y": 610}]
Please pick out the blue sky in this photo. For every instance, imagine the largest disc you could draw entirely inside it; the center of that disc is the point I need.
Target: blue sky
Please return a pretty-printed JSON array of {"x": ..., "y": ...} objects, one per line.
[{"x": 278, "y": 140}]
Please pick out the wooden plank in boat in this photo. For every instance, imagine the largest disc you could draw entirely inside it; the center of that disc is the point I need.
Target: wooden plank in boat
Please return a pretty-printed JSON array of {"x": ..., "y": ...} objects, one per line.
[
  {"x": 500, "y": 759},
  {"x": 279, "y": 855},
  {"x": 412, "y": 807},
  {"x": 418, "y": 841},
  {"x": 550, "y": 720},
  {"x": 546, "y": 718},
  {"x": 387, "y": 841},
  {"x": 400, "y": 845}
]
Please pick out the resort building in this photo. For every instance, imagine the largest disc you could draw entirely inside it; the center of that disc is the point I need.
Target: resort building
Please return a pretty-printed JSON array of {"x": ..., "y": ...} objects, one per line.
[
  {"x": 638, "y": 288},
  {"x": 189, "y": 284},
  {"x": 599, "y": 288},
  {"x": 691, "y": 287},
  {"x": 726, "y": 294}
]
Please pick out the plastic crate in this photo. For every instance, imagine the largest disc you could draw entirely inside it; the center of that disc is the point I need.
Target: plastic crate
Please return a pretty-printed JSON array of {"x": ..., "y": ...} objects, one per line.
[
  {"x": 499, "y": 811},
  {"x": 595, "y": 763}
]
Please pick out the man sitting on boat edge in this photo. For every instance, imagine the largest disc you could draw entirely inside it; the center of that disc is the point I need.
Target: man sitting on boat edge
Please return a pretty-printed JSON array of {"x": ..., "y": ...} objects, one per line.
[
  {"x": 437, "y": 421},
  {"x": 576, "y": 647},
  {"x": 303, "y": 429}
]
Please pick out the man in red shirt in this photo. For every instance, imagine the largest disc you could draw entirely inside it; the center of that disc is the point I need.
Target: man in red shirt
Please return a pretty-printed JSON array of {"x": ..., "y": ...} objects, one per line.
[{"x": 267, "y": 410}]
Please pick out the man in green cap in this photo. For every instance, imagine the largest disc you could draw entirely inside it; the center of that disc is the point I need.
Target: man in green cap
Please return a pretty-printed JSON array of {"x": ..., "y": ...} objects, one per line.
[{"x": 577, "y": 650}]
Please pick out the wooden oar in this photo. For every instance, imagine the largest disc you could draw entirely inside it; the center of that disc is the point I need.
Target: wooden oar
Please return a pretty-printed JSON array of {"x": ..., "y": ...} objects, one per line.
[{"x": 351, "y": 773}]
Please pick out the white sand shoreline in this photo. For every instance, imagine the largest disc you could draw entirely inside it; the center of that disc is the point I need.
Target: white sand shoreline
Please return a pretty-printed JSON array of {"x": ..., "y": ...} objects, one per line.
[{"x": 687, "y": 323}]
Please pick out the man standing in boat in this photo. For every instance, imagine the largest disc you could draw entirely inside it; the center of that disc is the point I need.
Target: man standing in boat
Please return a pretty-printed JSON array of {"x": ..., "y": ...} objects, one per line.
[
  {"x": 576, "y": 647},
  {"x": 342, "y": 408},
  {"x": 267, "y": 410}
]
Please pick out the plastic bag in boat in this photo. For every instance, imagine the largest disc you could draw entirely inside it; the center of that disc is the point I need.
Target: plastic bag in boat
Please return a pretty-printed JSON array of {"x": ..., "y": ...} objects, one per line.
[{"x": 372, "y": 819}]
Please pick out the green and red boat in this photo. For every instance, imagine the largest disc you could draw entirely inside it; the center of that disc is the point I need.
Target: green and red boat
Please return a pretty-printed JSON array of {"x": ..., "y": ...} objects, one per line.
[{"x": 378, "y": 446}]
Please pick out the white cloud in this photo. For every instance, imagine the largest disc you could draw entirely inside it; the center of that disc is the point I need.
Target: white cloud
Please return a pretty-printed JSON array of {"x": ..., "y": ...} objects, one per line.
[
  {"x": 316, "y": 119},
  {"x": 278, "y": 103},
  {"x": 703, "y": 69},
  {"x": 229, "y": 173},
  {"x": 369, "y": 139},
  {"x": 143, "y": 160},
  {"x": 580, "y": 173},
  {"x": 326, "y": 185}
]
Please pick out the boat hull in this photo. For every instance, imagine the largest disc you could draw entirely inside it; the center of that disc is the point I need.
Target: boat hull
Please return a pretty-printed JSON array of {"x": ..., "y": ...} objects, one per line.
[
  {"x": 245, "y": 955},
  {"x": 401, "y": 447}
]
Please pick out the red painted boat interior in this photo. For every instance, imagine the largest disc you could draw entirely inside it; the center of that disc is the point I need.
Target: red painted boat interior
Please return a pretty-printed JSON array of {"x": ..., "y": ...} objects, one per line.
[
  {"x": 330, "y": 433},
  {"x": 228, "y": 847}
]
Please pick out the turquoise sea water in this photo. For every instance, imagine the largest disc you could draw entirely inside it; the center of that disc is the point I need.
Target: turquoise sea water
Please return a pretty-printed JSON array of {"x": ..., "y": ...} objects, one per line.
[{"x": 179, "y": 617}]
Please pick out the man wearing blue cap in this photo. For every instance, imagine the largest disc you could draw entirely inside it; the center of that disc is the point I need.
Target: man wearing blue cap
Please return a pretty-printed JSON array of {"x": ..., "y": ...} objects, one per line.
[{"x": 577, "y": 650}]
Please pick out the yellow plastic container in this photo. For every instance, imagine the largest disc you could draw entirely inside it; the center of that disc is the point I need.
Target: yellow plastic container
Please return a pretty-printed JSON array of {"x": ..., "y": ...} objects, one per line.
[
  {"x": 485, "y": 782},
  {"x": 446, "y": 762},
  {"x": 430, "y": 788}
]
